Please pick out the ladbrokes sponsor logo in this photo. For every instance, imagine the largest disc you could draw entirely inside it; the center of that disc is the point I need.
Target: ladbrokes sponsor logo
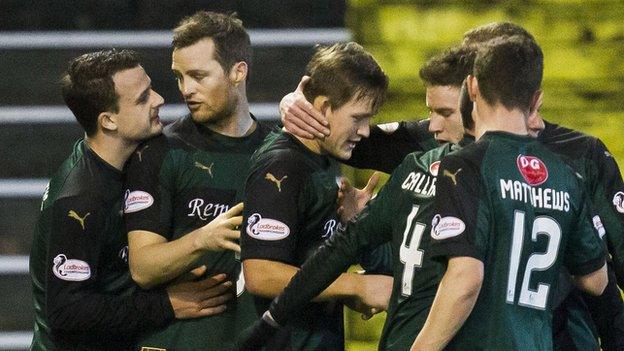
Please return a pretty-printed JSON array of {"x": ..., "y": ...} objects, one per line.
[
  {"x": 446, "y": 227},
  {"x": 69, "y": 269},
  {"x": 137, "y": 200},
  {"x": 618, "y": 201},
  {"x": 266, "y": 228},
  {"x": 533, "y": 170}
]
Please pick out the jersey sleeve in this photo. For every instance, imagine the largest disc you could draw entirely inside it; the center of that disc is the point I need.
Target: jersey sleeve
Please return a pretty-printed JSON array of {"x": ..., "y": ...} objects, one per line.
[
  {"x": 457, "y": 217},
  {"x": 271, "y": 214},
  {"x": 148, "y": 200},
  {"x": 608, "y": 202},
  {"x": 75, "y": 304},
  {"x": 385, "y": 148},
  {"x": 370, "y": 229},
  {"x": 585, "y": 252}
]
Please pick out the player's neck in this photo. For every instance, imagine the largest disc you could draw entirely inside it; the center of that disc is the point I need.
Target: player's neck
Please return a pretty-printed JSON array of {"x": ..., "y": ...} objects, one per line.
[
  {"x": 311, "y": 144},
  {"x": 498, "y": 118},
  {"x": 112, "y": 150},
  {"x": 239, "y": 124}
]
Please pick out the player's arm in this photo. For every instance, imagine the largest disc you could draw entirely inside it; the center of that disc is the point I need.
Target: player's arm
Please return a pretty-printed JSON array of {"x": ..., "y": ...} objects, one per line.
[
  {"x": 456, "y": 296},
  {"x": 76, "y": 306},
  {"x": 585, "y": 254},
  {"x": 383, "y": 150},
  {"x": 453, "y": 232},
  {"x": 264, "y": 202},
  {"x": 155, "y": 260},
  {"x": 155, "y": 256},
  {"x": 608, "y": 200}
]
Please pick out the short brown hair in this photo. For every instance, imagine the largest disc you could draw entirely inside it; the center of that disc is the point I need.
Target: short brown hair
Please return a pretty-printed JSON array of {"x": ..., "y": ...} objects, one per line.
[
  {"x": 509, "y": 71},
  {"x": 493, "y": 30},
  {"x": 88, "y": 88},
  {"x": 448, "y": 68},
  {"x": 232, "y": 43},
  {"x": 343, "y": 71}
]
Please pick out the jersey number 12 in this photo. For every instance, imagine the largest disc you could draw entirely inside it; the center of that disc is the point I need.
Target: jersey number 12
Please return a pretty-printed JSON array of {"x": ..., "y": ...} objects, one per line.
[{"x": 542, "y": 225}]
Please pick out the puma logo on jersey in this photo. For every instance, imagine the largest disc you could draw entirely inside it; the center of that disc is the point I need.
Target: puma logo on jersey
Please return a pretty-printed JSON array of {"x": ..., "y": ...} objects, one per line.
[
  {"x": 73, "y": 214},
  {"x": 453, "y": 176},
  {"x": 204, "y": 167},
  {"x": 278, "y": 182},
  {"x": 140, "y": 152}
]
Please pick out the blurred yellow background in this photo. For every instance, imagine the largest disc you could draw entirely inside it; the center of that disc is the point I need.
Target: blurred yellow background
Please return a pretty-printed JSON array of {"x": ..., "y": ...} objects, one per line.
[{"x": 583, "y": 44}]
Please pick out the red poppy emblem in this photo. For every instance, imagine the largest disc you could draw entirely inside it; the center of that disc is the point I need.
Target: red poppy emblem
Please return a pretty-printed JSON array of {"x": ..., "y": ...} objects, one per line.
[{"x": 532, "y": 169}]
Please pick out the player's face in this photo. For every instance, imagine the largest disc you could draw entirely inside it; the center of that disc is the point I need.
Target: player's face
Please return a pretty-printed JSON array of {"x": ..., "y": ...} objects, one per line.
[
  {"x": 348, "y": 124},
  {"x": 137, "y": 118},
  {"x": 443, "y": 104},
  {"x": 206, "y": 88}
]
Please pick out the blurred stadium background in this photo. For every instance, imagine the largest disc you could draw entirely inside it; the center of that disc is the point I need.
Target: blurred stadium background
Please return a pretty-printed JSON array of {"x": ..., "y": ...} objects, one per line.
[{"x": 583, "y": 43}]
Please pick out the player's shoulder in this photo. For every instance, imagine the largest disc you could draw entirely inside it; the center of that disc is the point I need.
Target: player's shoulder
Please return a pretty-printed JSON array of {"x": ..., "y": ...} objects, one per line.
[
  {"x": 152, "y": 150},
  {"x": 567, "y": 140}
]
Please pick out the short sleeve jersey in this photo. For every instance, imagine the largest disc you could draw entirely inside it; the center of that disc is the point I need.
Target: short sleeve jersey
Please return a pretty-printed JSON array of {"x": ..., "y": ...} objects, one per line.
[
  {"x": 290, "y": 210},
  {"x": 178, "y": 182},
  {"x": 508, "y": 201},
  {"x": 84, "y": 296}
]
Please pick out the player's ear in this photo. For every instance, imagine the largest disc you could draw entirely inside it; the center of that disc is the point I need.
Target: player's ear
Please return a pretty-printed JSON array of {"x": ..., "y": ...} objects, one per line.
[
  {"x": 473, "y": 87},
  {"x": 107, "y": 121},
  {"x": 322, "y": 104},
  {"x": 238, "y": 72},
  {"x": 536, "y": 102}
]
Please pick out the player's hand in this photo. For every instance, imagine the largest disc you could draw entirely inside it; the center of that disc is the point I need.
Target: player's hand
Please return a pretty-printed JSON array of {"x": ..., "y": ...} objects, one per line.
[
  {"x": 352, "y": 200},
  {"x": 222, "y": 232},
  {"x": 256, "y": 336},
  {"x": 201, "y": 298},
  {"x": 373, "y": 294},
  {"x": 300, "y": 117}
]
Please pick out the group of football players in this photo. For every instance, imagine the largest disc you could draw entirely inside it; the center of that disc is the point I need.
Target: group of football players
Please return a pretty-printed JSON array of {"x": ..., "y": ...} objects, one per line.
[{"x": 492, "y": 218}]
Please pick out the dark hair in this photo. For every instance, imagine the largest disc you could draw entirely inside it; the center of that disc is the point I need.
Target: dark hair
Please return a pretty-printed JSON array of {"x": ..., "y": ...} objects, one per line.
[
  {"x": 88, "y": 88},
  {"x": 466, "y": 106},
  {"x": 343, "y": 71},
  {"x": 231, "y": 41},
  {"x": 448, "y": 68},
  {"x": 509, "y": 71},
  {"x": 493, "y": 30}
]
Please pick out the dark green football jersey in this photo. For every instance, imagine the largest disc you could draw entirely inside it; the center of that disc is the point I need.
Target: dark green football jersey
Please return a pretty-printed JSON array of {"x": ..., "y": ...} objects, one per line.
[
  {"x": 84, "y": 296},
  {"x": 290, "y": 209},
  {"x": 178, "y": 182},
  {"x": 513, "y": 204},
  {"x": 399, "y": 215}
]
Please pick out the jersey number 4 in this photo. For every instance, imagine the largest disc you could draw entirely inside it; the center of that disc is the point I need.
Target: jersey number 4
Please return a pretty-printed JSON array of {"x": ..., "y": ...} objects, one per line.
[
  {"x": 542, "y": 225},
  {"x": 411, "y": 256}
]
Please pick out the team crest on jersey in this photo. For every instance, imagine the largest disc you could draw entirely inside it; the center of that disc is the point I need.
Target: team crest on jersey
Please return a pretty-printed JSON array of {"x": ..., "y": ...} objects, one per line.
[
  {"x": 433, "y": 168},
  {"x": 278, "y": 182},
  {"x": 137, "y": 200},
  {"x": 446, "y": 227},
  {"x": 69, "y": 269},
  {"x": 81, "y": 220},
  {"x": 618, "y": 201},
  {"x": 266, "y": 228},
  {"x": 533, "y": 170}
]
